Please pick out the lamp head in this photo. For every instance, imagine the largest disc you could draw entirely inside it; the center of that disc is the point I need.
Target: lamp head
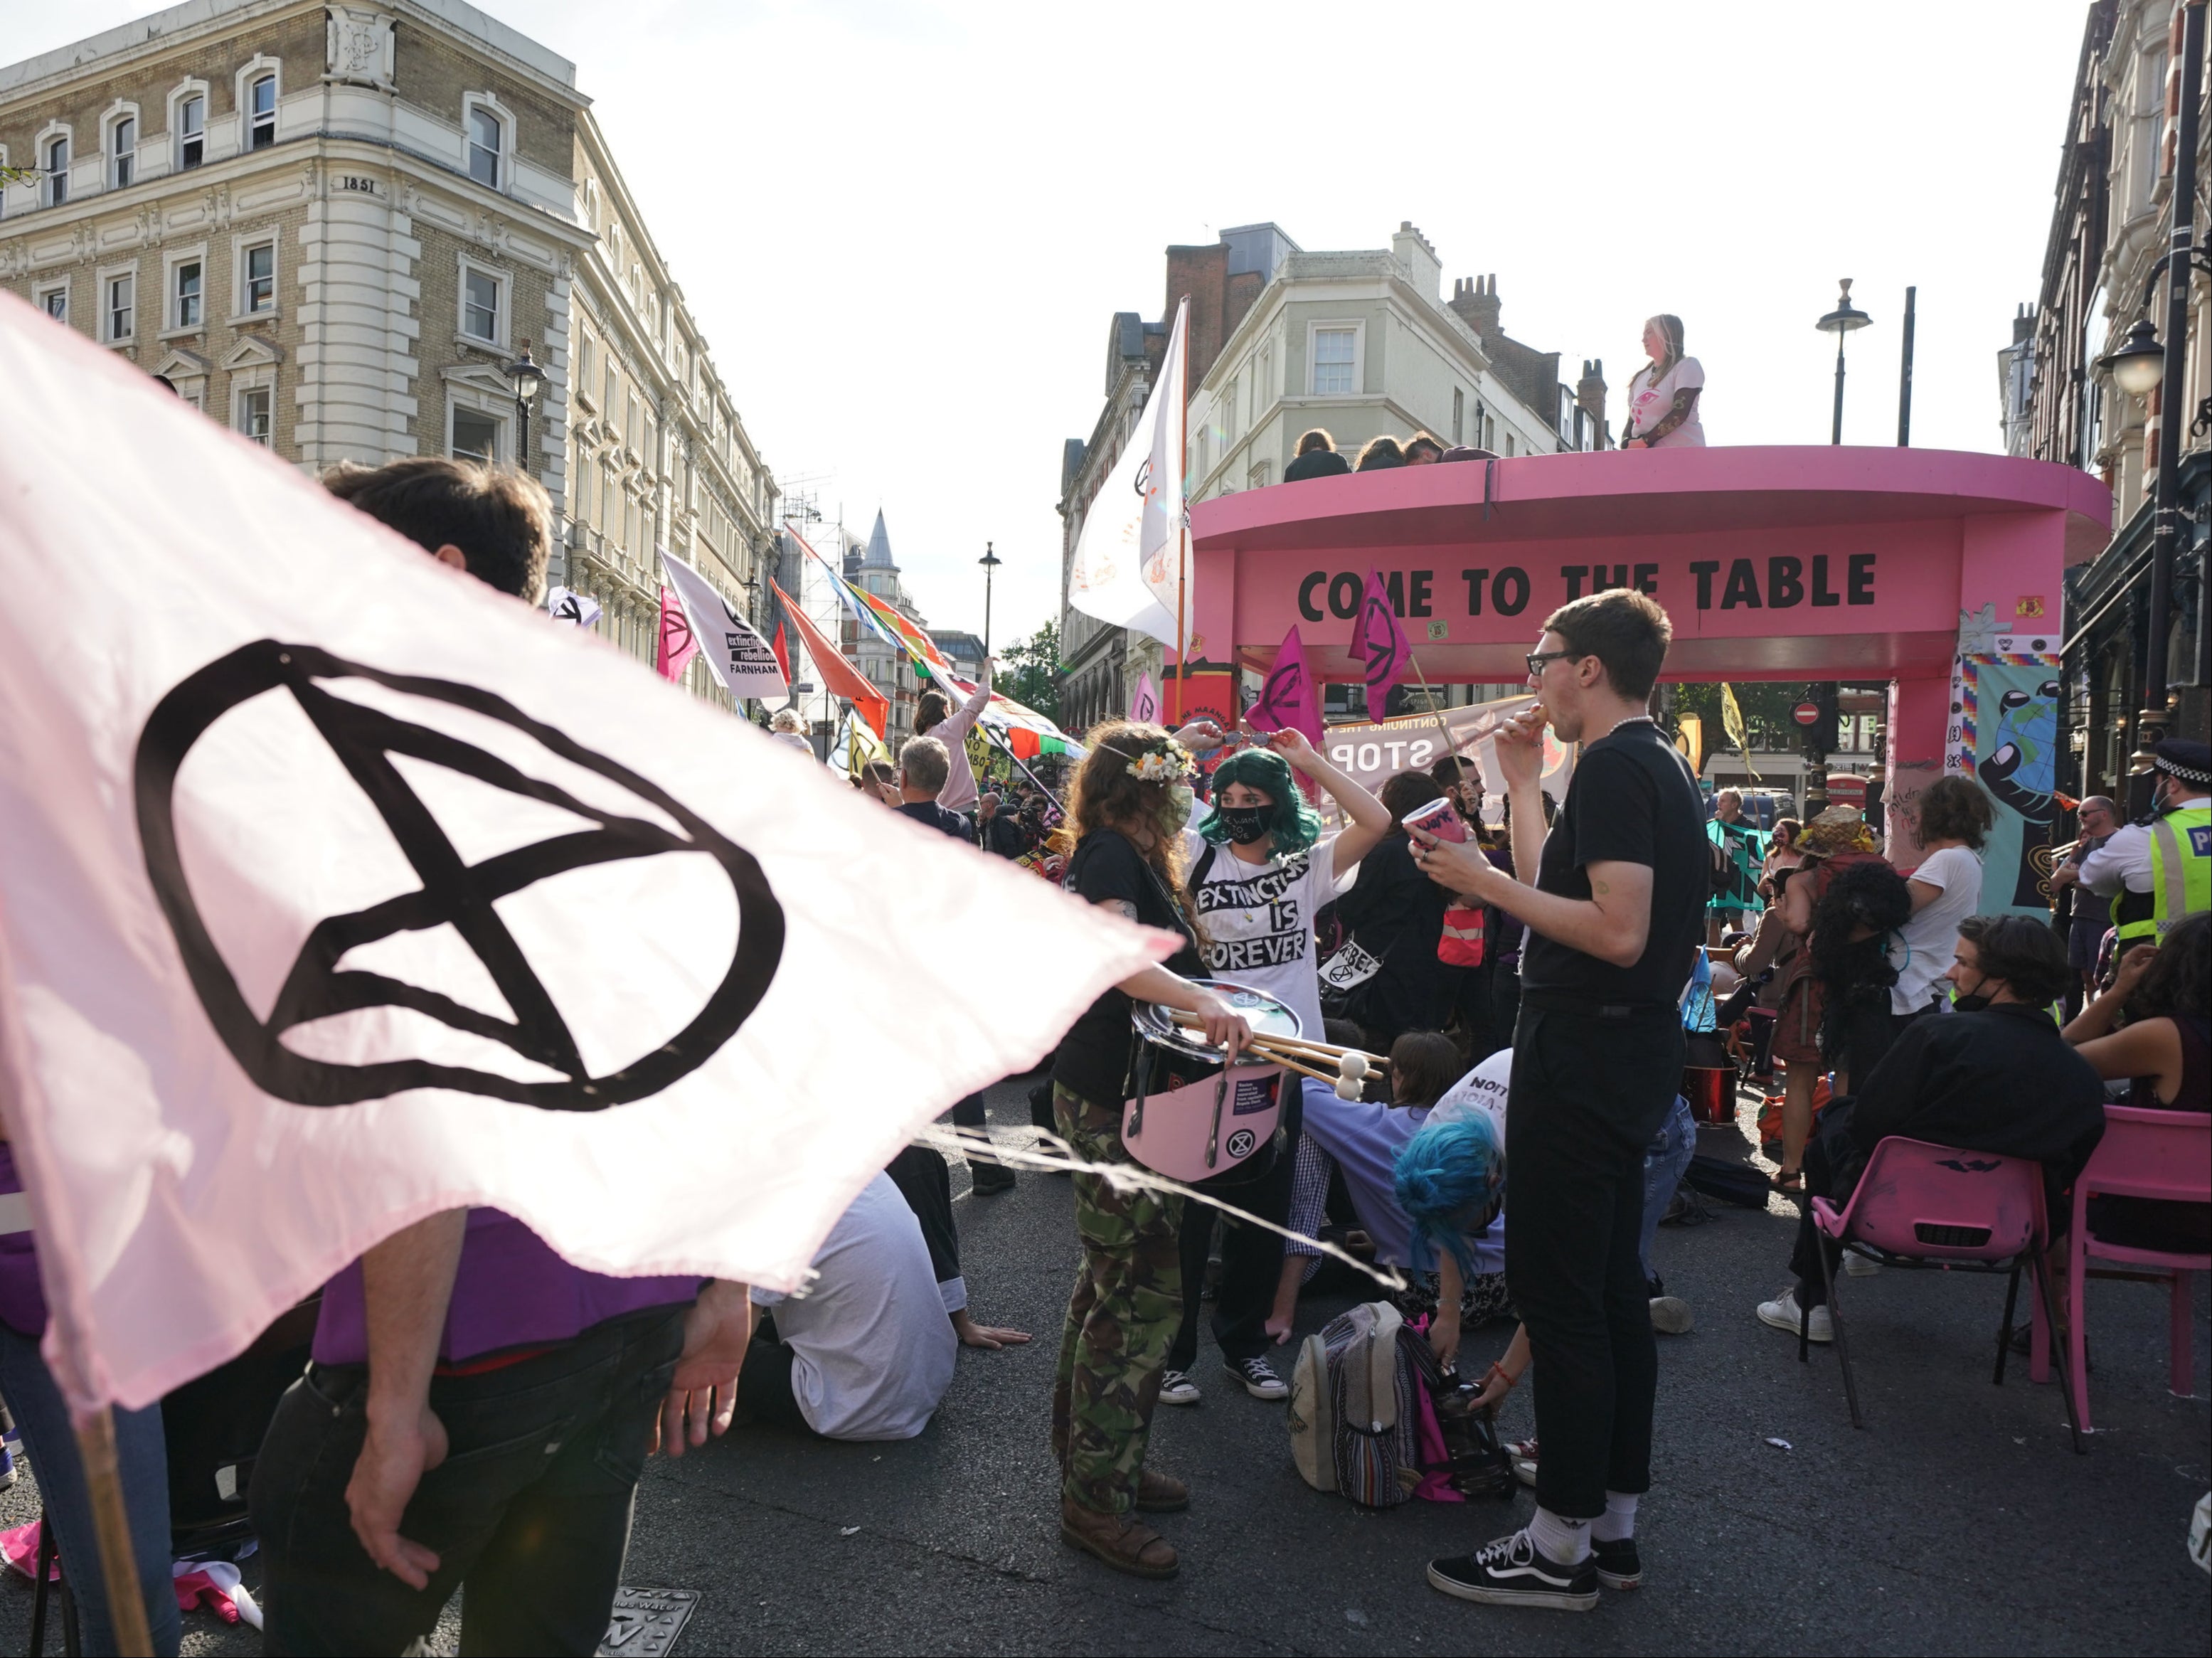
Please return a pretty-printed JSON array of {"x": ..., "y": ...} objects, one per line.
[
  {"x": 2139, "y": 364},
  {"x": 527, "y": 376},
  {"x": 990, "y": 560},
  {"x": 1846, "y": 317}
]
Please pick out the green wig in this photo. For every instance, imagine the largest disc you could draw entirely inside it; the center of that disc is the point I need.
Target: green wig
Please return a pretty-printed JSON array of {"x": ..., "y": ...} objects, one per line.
[{"x": 1295, "y": 825}]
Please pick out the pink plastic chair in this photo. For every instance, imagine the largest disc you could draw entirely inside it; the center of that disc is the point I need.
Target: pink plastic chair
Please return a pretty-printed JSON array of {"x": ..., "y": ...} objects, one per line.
[
  {"x": 2144, "y": 1154},
  {"x": 1939, "y": 1208}
]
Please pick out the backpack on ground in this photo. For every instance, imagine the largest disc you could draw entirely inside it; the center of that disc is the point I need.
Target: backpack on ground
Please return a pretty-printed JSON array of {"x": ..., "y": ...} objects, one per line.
[
  {"x": 1352, "y": 1409},
  {"x": 1738, "y": 1183}
]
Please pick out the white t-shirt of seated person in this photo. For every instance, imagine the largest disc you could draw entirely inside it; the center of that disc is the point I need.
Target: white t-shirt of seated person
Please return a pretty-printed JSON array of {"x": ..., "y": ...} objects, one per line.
[
  {"x": 1481, "y": 1092},
  {"x": 872, "y": 1339},
  {"x": 1922, "y": 949},
  {"x": 1258, "y": 920},
  {"x": 1648, "y": 403}
]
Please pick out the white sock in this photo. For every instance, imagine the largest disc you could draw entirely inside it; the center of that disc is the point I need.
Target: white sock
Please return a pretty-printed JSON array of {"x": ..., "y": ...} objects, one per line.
[
  {"x": 1567, "y": 1541},
  {"x": 1618, "y": 1523}
]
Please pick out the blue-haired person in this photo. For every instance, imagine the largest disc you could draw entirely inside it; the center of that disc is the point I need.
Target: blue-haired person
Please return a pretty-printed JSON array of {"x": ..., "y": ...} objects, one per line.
[{"x": 1260, "y": 867}]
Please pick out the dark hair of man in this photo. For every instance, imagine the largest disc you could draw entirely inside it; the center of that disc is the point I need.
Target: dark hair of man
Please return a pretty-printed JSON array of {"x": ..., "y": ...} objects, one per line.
[
  {"x": 2023, "y": 953},
  {"x": 1316, "y": 439},
  {"x": 2181, "y": 978},
  {"x": 1454, "y": 770},
  {"x": 932, "y": 708},
  {"x": 1623, "y": 629},
  {"x": 500, "y": 519},
  {"x": 1380, "y": 455},
  {"x": 1953, "y": 809},
  {"x": 1423, "y": 440},
  {"x": 1403, "y": 791},
  {"x": 879, "y": 772},
  {"x": 1427, "y": 1062}
]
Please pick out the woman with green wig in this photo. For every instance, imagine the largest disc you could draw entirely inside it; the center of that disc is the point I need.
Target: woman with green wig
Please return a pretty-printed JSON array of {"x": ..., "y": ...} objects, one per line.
[{"x": 1259, "y": 867}]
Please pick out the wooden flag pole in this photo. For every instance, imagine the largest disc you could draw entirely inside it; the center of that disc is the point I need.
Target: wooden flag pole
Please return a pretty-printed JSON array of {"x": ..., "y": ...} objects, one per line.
[{"x": 126, "y": 1601}]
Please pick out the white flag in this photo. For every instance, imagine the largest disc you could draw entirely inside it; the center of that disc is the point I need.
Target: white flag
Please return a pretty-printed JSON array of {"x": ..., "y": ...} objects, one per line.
[
  {"x": 336, "y": 890},
  {"x": 733, "y": 652},
  {"x": 1130, "y": 557},
  {"x": 578, "y": 611}
]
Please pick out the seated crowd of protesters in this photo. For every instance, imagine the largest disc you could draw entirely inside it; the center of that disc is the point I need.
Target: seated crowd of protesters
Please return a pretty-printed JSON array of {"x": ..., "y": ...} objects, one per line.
[{"x": 1318, "y": 457}]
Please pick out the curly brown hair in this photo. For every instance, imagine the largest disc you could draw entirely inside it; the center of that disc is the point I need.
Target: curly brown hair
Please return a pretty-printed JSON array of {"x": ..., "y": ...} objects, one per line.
[
  {"x": 1953, "y": 809},
  {"x": 1105, "y": 795}
]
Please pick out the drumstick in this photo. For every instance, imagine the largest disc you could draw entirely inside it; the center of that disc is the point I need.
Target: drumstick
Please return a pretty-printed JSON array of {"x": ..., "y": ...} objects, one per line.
[{"x": 1191, "y": 1021}]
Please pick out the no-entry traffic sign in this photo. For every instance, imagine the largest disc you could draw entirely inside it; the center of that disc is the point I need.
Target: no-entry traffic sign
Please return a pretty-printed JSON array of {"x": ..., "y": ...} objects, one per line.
[{"x": 1805, "y": 712}]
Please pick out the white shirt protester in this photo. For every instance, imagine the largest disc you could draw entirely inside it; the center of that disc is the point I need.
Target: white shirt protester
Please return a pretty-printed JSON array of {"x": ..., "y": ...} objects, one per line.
[
  {"x": 1923, "y": 948},
  {"x": 1259, "y": 920},
  {"x": 1649, "y": 402},
  {"x": 873, "y": 1338},
  {"x": 2124, "y": 859}
]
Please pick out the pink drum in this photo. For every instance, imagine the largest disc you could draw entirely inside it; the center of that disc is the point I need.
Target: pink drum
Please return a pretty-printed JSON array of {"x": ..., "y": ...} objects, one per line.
[{"x": 1188, "y": 1118}]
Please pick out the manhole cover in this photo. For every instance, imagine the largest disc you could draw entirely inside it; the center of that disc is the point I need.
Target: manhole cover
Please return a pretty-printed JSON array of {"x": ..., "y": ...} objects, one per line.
[{"x": 646, "y": 1622}]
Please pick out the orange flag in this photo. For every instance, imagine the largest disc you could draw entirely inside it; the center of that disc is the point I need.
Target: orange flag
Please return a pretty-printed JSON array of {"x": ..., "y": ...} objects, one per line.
[{"x": 839, "y": 677}]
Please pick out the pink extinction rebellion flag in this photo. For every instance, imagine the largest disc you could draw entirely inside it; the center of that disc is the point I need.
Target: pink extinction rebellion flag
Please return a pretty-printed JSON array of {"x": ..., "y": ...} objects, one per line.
[
  {"x": 1379, "y": 644},
  {"x": 1145, "y": 706},
  {"x": 1288, "y": 698},
  {"x": 337, "y": 890},
  {"x": 677, "y": 647}
]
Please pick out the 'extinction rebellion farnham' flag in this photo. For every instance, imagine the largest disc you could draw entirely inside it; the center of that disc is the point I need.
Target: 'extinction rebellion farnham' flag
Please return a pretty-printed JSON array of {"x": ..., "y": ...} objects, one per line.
[
  {"x": 737, "y": 656},
  {"x": 337, "y": 890}
]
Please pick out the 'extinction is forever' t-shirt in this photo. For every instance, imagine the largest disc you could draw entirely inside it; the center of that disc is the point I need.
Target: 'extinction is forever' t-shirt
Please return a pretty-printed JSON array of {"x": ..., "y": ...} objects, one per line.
[{"x": 1258, "y": 920}]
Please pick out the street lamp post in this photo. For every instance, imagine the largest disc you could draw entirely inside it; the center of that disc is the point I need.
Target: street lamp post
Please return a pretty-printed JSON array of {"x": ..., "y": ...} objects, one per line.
[
  {"x": 1845, "y": 319},
  {"x": 527, "y": 378},
  {"x": 990, "y": 562}
]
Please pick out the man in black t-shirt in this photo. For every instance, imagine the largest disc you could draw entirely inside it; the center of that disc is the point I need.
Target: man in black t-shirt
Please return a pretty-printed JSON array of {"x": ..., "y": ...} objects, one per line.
[{"x": 1614, "y": 920}]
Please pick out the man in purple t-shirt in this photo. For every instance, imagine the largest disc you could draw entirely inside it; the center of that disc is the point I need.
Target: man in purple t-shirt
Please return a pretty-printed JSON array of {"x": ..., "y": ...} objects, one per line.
[{"x": 469, "y": 1386}]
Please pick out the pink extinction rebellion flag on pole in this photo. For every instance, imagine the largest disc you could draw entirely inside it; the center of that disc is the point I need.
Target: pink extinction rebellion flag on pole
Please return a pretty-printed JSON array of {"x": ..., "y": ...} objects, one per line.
[
  {"x": 1145, "y": 706},
  {"x": 337, "y": 890},
  {"x": 1379, "y": 644},
  {"x": 1287, "y": 698},
  {"x": 677, "y": 647}
]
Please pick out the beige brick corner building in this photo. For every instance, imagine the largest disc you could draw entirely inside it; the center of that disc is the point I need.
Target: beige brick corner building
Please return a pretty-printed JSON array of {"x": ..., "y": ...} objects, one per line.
[{"x": 334, "y": 227}]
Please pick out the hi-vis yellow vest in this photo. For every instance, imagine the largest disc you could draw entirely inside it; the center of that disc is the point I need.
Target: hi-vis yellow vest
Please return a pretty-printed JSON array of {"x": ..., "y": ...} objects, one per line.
[{"x": 2180, "y": 877}]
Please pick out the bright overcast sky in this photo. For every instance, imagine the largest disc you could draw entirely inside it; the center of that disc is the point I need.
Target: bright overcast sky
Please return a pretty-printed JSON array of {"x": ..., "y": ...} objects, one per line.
[{"x": 904, "y": 226}]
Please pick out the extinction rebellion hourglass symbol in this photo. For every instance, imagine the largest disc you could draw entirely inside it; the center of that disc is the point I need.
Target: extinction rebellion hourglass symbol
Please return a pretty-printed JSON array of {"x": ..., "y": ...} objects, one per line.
[{"x": 454, "y": 892}]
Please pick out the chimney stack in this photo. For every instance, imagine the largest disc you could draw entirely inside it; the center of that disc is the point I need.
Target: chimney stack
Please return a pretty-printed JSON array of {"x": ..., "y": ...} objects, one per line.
[
  {"x": 1590, "y": 395},
  {"x": 1475, "y": 300}
]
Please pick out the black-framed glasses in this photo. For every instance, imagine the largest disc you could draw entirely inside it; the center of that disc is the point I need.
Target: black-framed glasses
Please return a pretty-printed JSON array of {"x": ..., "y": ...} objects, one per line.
[{"x": 1536, "y": 659}]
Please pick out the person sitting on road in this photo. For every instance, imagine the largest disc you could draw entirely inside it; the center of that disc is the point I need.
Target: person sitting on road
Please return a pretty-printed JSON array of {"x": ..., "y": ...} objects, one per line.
[
  {"x": 867, "y": 1352},
  {"x": 1993, "y": 1076}
]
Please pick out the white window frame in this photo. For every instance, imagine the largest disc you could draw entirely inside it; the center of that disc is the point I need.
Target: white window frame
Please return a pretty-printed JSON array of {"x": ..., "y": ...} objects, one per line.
[
  {"x": 42, "y": 162},
  {"x": 119, "y": 171},
  {"x": 260, "y": 68},
  {"x": 503, "y": 163},
  {"x": 172, "y": 321},
  {"x": 241, "y": 297},
  {"x": 43, "y": 294},
  {"x": 178, "y": 96},
  {"x": 108, "y": 275},
  {"x": 586, "y": 351},
  {"x": 458, "y": 402},
  {"x": 503, "y": 323},
  {"x": 1357, "y": 327},
  {"x": 243, "y": 389}
]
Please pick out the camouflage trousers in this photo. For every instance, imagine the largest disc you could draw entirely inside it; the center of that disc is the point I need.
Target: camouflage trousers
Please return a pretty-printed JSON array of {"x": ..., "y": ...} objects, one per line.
[{"x": 1121, "y": 1319}]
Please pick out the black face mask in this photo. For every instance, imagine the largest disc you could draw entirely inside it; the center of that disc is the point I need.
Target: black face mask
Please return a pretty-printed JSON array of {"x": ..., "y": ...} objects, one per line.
[
  {"x": 1978, "y": 1002},
  {"x": 1244, "y": 824}
]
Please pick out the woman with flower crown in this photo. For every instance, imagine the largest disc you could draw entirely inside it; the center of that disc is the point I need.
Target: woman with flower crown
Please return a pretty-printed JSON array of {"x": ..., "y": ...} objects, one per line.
[{"x": 1126, "y": 813}]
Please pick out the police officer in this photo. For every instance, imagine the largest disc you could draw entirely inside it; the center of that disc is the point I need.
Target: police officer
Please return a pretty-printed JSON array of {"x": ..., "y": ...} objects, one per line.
[{"x": 2159, "y": 871}]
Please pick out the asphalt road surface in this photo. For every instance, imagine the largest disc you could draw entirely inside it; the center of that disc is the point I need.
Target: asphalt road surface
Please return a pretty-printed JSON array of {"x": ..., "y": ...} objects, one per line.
[{"x": 1960, "y": 1521}]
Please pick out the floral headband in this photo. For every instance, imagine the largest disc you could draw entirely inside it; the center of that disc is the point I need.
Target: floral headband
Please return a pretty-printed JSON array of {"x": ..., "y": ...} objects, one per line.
[{"x": 1167, "y": 762}]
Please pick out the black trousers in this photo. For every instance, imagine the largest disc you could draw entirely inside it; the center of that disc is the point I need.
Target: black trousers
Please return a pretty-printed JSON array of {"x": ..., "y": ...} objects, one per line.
[
  {"x": 925, "y": 1181},
  {"x": 531, "y": 1508},
  {"x": 1833, "y": 1167},
  {"x": 764, "y": 1390},
  {"x": 1587, "y": 1094},
  {"x": 1251, "y": 1265}
]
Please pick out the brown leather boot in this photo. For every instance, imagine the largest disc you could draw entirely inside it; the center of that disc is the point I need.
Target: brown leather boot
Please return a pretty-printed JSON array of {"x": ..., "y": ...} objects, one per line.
[
  {"x": 1161, "y": 1493},
  {"x": 1126, "y": 1545}
]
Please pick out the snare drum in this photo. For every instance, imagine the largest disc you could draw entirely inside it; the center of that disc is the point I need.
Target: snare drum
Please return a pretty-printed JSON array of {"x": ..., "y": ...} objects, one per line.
[{"x": 1184, "y": 1115}]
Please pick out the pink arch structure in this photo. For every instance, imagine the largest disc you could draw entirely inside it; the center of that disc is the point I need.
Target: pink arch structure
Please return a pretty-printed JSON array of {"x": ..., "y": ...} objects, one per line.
[{"x": 1774, "y": 563}]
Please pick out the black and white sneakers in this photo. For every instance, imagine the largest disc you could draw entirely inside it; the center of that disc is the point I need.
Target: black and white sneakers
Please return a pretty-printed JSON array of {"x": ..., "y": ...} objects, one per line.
[
  {"x": 1512, "y": 1572},
  {"x": 1619, "y": 1566},
  {"x": 1258, "y": 1378}
]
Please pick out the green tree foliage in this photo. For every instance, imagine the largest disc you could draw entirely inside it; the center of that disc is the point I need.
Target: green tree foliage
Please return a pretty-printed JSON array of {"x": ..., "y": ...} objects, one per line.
[
  {"x": 1765, "y": 704},
  {"x": 1032, "y": 671}
]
